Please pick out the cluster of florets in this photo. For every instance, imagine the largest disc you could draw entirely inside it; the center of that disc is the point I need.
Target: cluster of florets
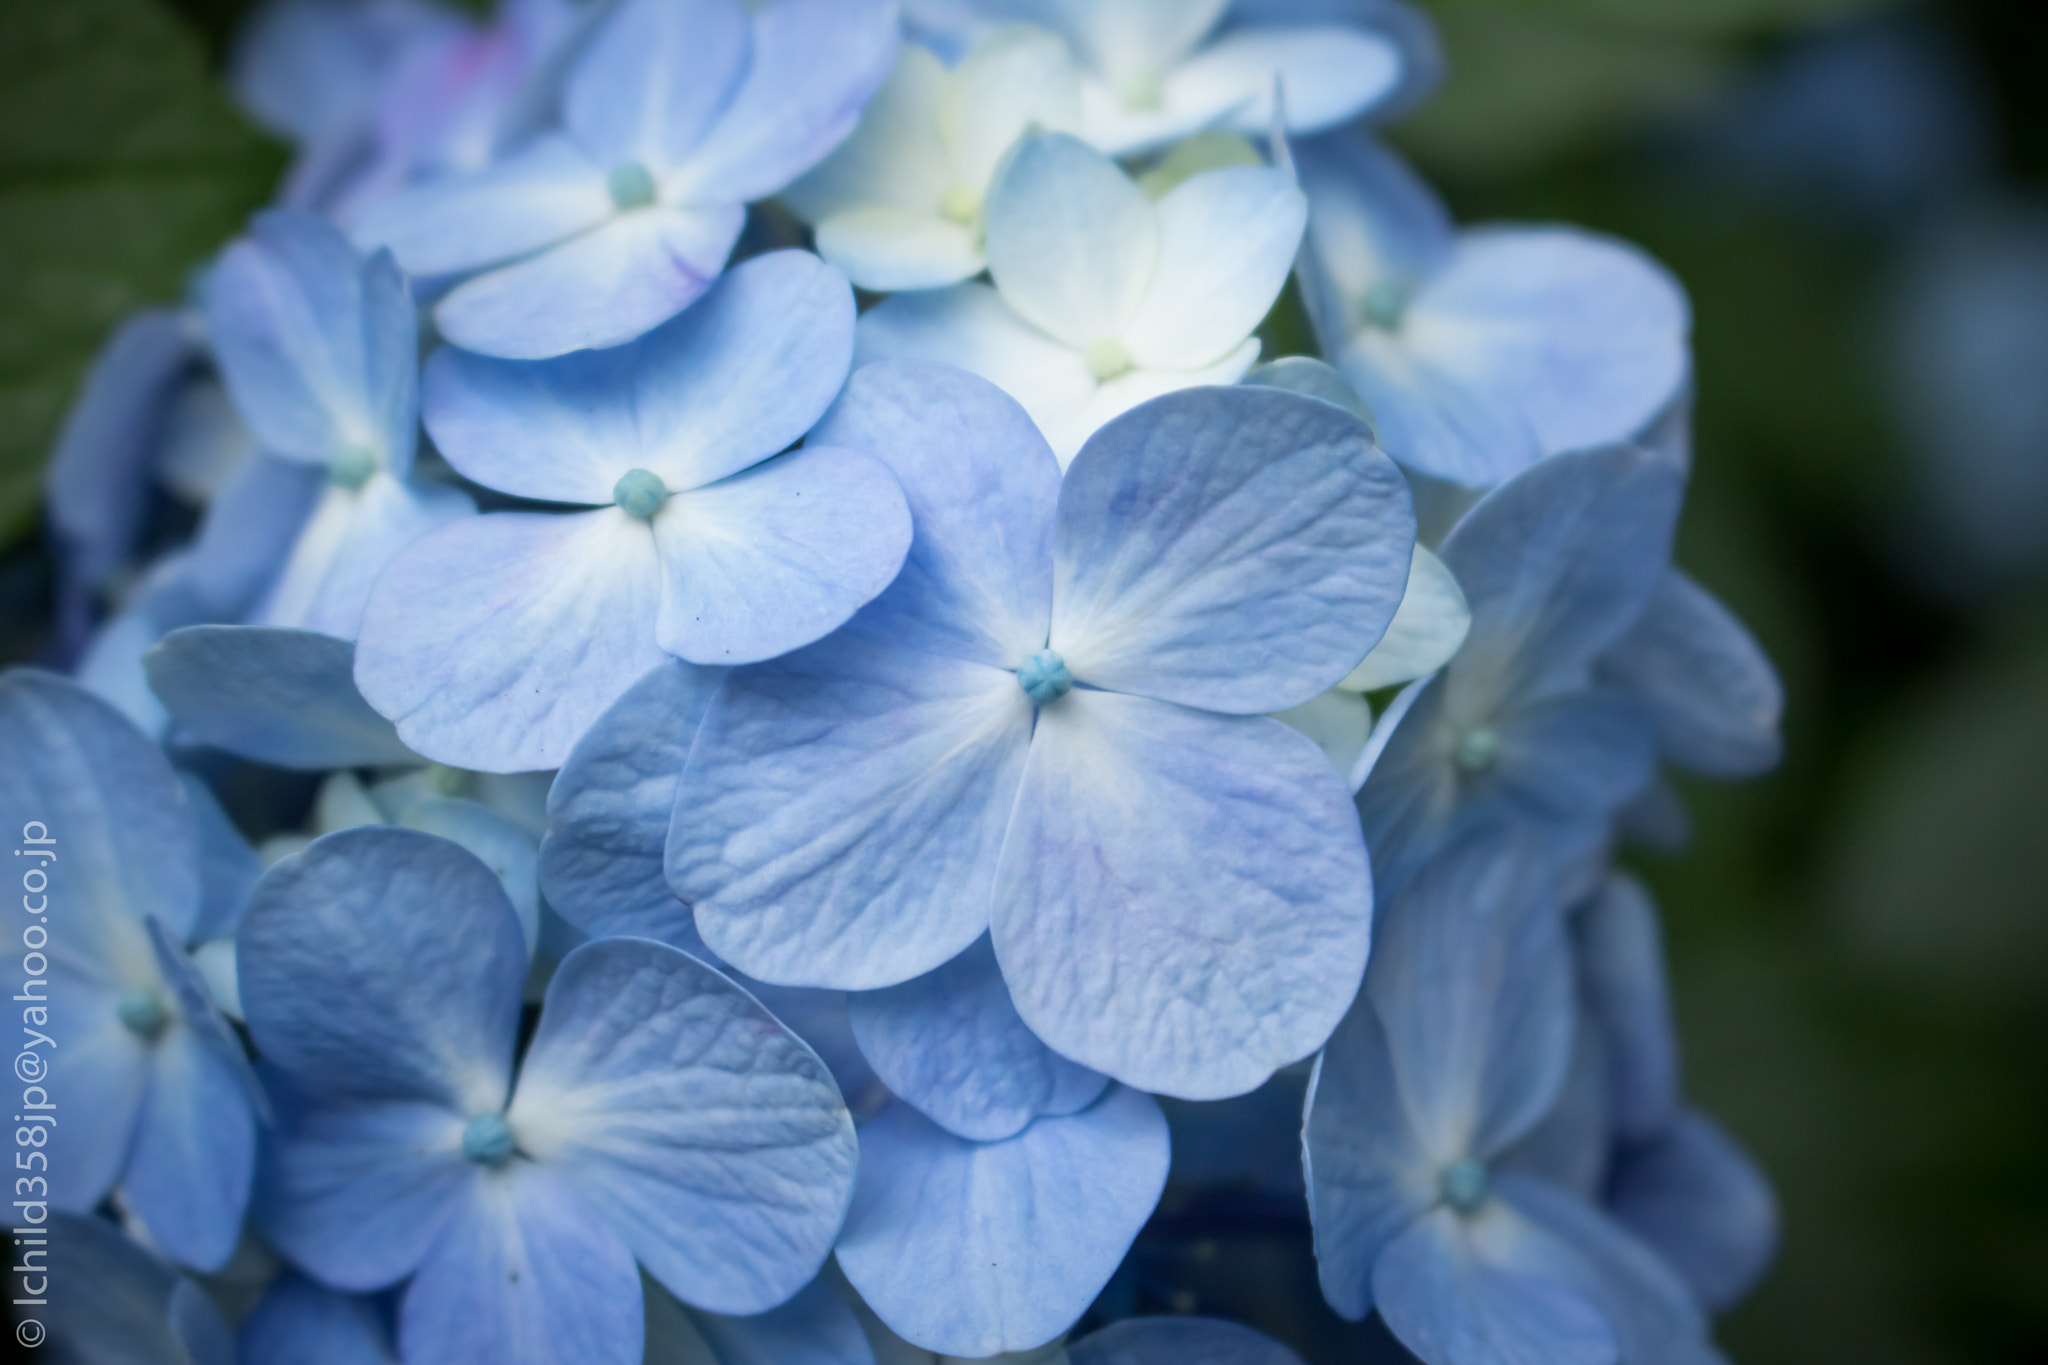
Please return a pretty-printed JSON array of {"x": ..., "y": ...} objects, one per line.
[{"x": 799, "y": 770}]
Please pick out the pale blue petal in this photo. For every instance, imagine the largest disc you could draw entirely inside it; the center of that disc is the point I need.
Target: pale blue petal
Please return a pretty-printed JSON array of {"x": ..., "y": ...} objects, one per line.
[
  {"x": 351, "y": 538},
  {"x": 192, "y": 1005},
  {"x": 1178, "y": 1341},
  {"x": 777, "y": 556},
  {"x": 228, "y": 866},
  {"x": 1573, "y": 759},
  {"x": 1072, "y": 240},
  {"x": 609, "y": 807},
  {"x": 1217, "y": 928},
  {"x": 384, "y": 964},
  {"x": 195, "y": 1151},
  {"x": 1372, "y": 221},
  {"x": 1715, "y": 698},
  {"x": 356, "y": 1195},
  {"x": 286, "y": 698},
  {"x": 1584, "y": 336},
  {"x": 1702, "y": 1204},
  {"x": 126, "y": 843},
  {"x": 842, "y": 812},
  {"x": 654, "y": 78},
  {"x": 98, "y": 1075},
  {"x": 1315, "y": 378},
  {"x": 814, "y": 63},
  {"x": 302, "y": 1322},
  {"x": 1327, "y": 74},
  {"x": 524, "y": 1273},
  {"x": 1556, "y": 564},
  {"x": 1472, "y": 983},
  {"x": 1408, "y": 790},
  {"x": 494, "y": 643},
  {"x": 621, "y": 279},
  {"x": 1425, "y": 633},
  {"x": 1368, "y": 1177},
  {"x": 98, "y": 477},
  {"x": 1021, "y": 1234},
  {"x": 695, "y": 1125},
  {"x": 546, "y": 192},
  {"x": 814, "y": 1328},
  {"x": 739, "y": 376},
  {"x": 1431, "y": 422},
  {"x": 1227, "y": 242},
  {"x": 248, "y": 533},
  {"x": 1235, "y": 549},
  {"x": 507, "y": 850},
  {"x": 1620, "y": 950},
  {"x": 982, "y": 486},
  {"x": 1451, "y": 1308},
  {"x": 951, "y": 1043}
]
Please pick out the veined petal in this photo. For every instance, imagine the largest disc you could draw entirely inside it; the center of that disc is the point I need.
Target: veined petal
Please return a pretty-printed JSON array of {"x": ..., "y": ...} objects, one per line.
[
  {"x": 777, "y": 556},
  {"x": 654, "y": 78},
  {"x": 351, "y": 538},
  {"x": 1227, "y": 239},
  {"x": 609, "y": 808},
  {"x": 494, "y": 643},
  {"x": 739, "y": 376},
  {"x": 1025, "y": 1231},
  {"x": 1217, "y": 929},
  {"x": 523, "y": 1273},
  {"x": 1448, "y": 1305},
  {"x": 385, "y": 965},
  {"x": 547, "y": 192},
  {"x": 839, "y": 821},
  {"x": 286, "y": 698},
  {"x": 709, "y": 1137},
  {"x": 1235, "y": 549},
  {"x": 1073, "y": 244},
  {"x": 613, "y": 283},
  {"x": 951, "y": 1043},
  {"x": 1425, "y": 632}
]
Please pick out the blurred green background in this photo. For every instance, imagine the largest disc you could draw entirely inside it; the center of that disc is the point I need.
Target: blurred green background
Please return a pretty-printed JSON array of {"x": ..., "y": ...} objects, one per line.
[{"x": 1860, "y": 942}]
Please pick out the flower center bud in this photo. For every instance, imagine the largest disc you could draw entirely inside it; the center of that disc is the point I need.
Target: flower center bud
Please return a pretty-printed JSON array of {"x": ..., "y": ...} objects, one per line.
[
  {"x": 1107, "y": 359},
  {"x": 1478, "y": 750},
  {"x": 1141, "y": 90},
  {"x": 631, "y": 186},
  {"x": 640, "y": 493},
  {"x": 960, "y": 205},
  {"x": 1385, "y": 304},
  {"x": 1463, "y": 1185},
  {"x": 1044, "y": 677},
  {"x": 142, "y": 1013},
  {"x": 351, "y": 466},
  {"x": 487, "y": 1140}
]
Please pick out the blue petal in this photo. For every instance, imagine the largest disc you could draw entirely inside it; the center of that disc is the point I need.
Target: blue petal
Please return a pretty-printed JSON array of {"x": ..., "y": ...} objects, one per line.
[
  {"x": 357, "y": 1194},
  {"x": 118, "y": 1308},
  {"x": 1556, "y": 564},
  {"x": 249, "y": 532},
  {"x": 1701, "y": 1202},
  {"x": 317, "y": 348},
  {"x": 814, "y": 63},
  {"x": 1021, "y": 1234},
  {"x": 739, "y": 376},
  {"x": 1621, "y": 971},
  {"x": 1432, "y": 422},
  {"x": 654, "y": 78},
  {"x": 192, "y": 1005},
  {"x": 98, "y": 475},
  {"x": 1472, "y": 983},
  {"x": 1372, "y": 221},
  {"x": 1236, "y": 549},
  {"x": 777, "y": 556},
  {"x": 544, "y": 193},
  {"x": 494, "y": 643},
  {"x": 1178, "y": 1341},
  {"x": 302, "y": 1322},
  {"x": 982, "y": 485},
  {"x": 814, "y": 1328},
  {"x": 694, "y": 1124},
  {"x": 228, "y": 867},
  {"x": 1368, "y": 1176},
  {"x": 1714, "y": 696},
  {"x": 125, "y": 840},
  {"x": 609, "y": 807},
  {"x": 283, "y": 697},
  {"x": 1216, "y": 927},
  {"x": 951, "y": 1043},
  {"x": 385, "y": 964},
  {"x": 1451, "y": 1308},
  {"x": 195, "y": 1150},
  {"x": 842, "y": 812},
  {"x": 98, "y": 1076},
  {"x": 348, "y": 542},
  {"x": 1574, "y": 759},
  {"x": 197, "y": 1324},
  {"x": 523, "y": 1274},
  {"x": 507, "y": 850}
]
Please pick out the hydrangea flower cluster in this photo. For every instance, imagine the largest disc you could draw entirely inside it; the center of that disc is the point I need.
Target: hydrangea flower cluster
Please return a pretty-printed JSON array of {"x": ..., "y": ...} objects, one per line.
[{"x": 822, "y": 675}]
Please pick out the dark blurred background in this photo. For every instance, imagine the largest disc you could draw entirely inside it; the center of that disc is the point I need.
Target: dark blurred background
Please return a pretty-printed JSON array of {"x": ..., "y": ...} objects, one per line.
[{"x": 1856, "y": 194}]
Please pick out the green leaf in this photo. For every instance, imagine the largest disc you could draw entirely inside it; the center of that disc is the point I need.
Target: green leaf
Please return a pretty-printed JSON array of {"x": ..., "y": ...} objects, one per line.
[{"x": 122, "y": 166}]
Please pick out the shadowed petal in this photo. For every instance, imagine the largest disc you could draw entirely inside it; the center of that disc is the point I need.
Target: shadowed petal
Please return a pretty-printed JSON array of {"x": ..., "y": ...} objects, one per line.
[
  {"x": 283, "y": 697},
  {"x": 1452, "y": 1308}
]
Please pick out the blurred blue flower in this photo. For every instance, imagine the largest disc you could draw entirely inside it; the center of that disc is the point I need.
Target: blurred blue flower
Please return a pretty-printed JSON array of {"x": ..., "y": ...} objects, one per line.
[
  {"x": 112, "y": 1302},
  {"x": 495, "y": 643},
  {"x": 659, "y": 1115},
  {"x": 675, "y": 115},
  {"x": 305, "y": 1323}
]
